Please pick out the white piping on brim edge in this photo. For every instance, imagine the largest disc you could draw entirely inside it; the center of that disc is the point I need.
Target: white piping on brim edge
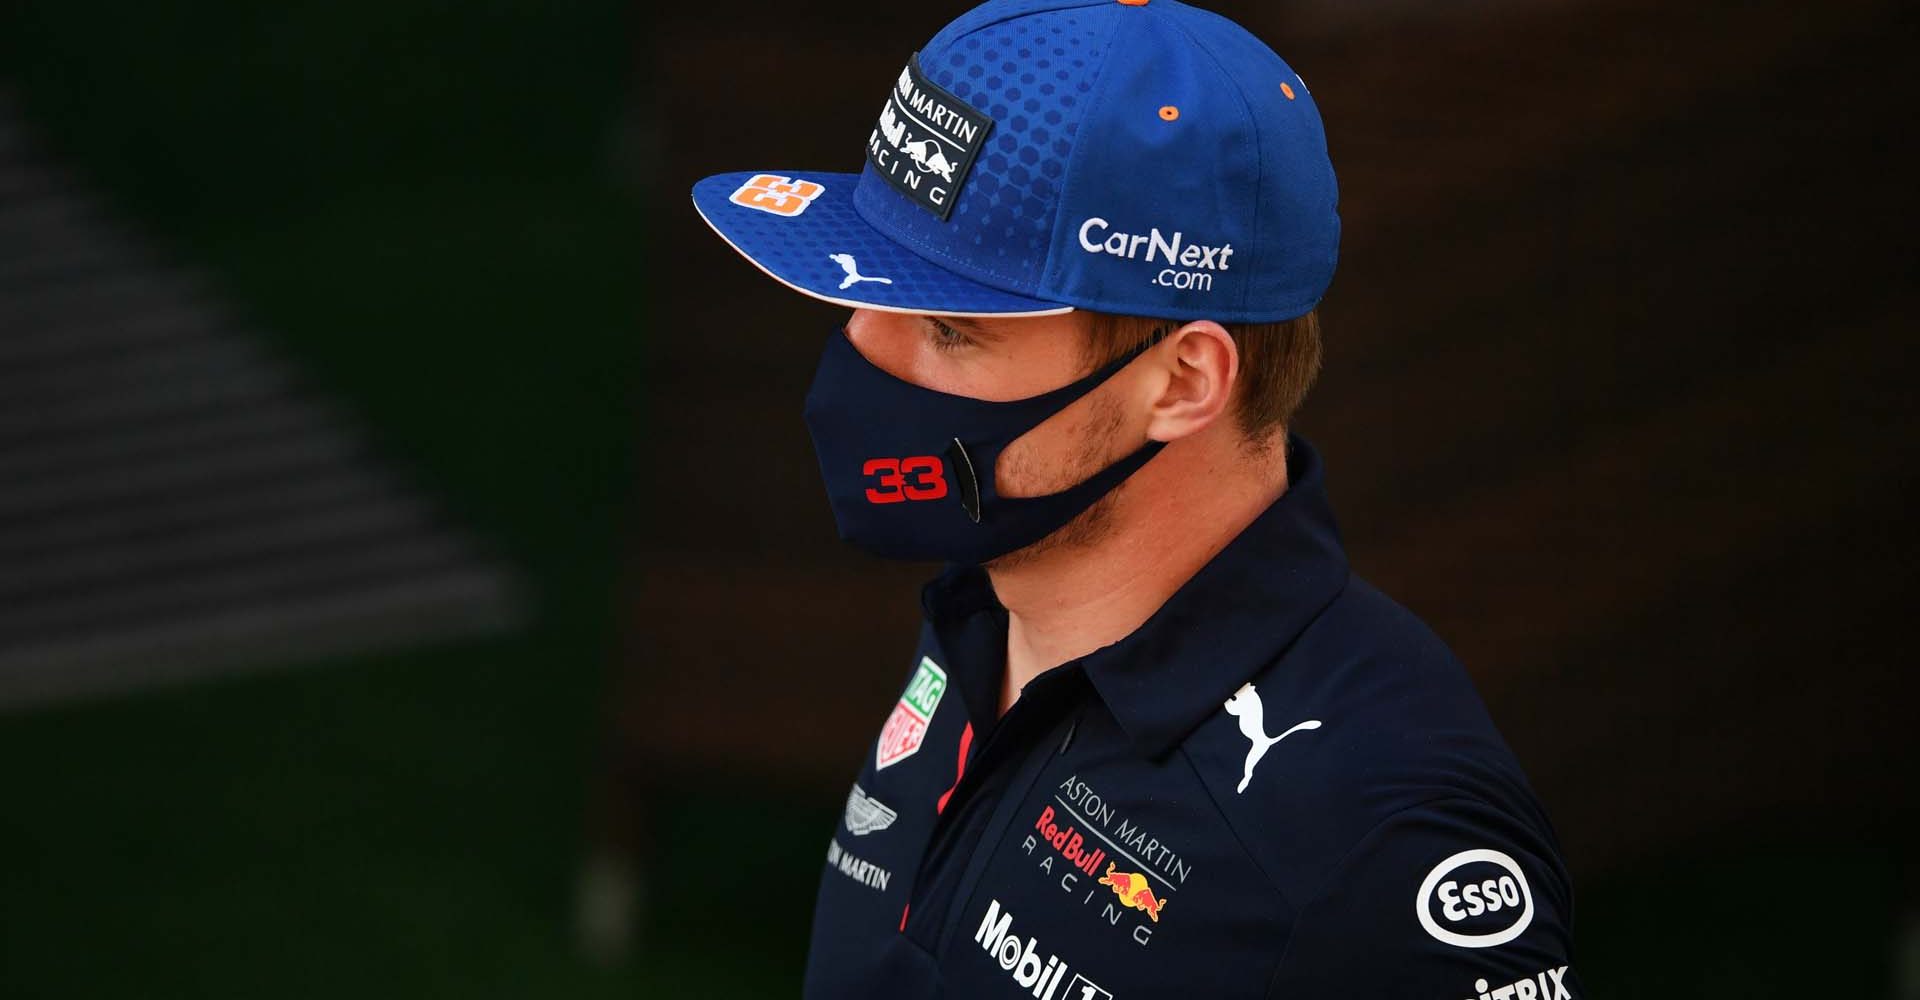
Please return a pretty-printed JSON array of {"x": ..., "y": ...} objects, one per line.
[{"x": 1061, "y": 311}]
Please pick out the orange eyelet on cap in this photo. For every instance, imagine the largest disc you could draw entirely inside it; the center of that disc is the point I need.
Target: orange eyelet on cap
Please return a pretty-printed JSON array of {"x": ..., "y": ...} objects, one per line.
[
  {"x": 1134, "y": 3},
  {"x": 1287, "y": 89},
  {"x": 1169, "y": 112}
]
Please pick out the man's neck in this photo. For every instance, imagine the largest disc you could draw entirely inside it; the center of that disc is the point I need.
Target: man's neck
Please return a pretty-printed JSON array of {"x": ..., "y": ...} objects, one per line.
[{"x": 1070, "y": 601}]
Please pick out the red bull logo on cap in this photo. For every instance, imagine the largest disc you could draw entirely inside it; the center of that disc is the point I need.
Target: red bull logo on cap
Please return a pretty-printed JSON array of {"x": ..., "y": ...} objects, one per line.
[{"x": 926, "y": 140}]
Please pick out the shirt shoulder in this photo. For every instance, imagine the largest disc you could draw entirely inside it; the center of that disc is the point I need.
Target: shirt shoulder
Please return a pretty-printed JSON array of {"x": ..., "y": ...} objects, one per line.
[
  {"x": 1448, "y": 897},
  {"x": 1361, "y": 771},
  {"x": 1365, "y": 715}
]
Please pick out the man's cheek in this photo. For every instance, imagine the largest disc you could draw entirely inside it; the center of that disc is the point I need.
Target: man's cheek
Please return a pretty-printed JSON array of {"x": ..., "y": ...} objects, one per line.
[{"x": 1064, "y": 451}]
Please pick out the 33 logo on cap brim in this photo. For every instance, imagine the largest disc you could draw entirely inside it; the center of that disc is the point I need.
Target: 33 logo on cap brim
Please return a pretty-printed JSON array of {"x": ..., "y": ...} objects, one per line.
[
  {"x": 777, "y": 195},
  {"x": 925, "y": 141}
]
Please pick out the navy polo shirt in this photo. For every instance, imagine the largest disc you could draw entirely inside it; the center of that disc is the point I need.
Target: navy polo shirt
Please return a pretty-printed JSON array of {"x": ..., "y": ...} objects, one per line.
[{"x": 1282, "y": 785}]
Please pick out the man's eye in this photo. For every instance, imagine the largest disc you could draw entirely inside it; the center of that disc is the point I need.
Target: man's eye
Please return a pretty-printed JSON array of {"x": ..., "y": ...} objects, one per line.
[{"x": 946, "y": 338}]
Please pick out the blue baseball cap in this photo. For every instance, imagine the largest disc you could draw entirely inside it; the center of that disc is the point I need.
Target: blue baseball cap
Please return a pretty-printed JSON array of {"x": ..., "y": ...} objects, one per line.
[{"x": 1140, "y": 157}]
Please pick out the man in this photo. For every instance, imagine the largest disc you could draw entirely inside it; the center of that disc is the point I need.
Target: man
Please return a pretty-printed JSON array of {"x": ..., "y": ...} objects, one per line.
[{"x": 1156, "y": 739}]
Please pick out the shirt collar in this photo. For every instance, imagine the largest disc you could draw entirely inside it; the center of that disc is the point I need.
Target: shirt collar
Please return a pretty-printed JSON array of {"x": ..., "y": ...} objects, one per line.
[{"x": 1237, "y": 614}]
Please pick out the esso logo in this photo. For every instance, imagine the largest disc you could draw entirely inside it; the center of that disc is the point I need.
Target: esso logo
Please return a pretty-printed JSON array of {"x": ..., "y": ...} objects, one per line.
[{"x": 1475, "y": 899}]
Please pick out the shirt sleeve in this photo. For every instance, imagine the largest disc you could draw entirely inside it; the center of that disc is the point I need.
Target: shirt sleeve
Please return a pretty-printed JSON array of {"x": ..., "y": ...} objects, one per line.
[{"x": 1452, "y": 899}]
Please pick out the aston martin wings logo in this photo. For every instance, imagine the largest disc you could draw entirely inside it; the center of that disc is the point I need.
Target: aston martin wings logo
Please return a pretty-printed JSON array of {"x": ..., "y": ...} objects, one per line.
[{"x": 866, "y": 814}]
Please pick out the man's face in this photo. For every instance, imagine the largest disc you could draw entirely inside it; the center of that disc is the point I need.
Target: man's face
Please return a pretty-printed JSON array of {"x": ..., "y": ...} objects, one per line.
[
  {"x": 993, "y": 359},
  {"x": 1007, "y": 359}
]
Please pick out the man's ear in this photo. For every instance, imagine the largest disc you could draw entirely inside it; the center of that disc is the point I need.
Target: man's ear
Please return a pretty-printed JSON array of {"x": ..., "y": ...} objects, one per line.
[{"x": 1198, "y": 364}]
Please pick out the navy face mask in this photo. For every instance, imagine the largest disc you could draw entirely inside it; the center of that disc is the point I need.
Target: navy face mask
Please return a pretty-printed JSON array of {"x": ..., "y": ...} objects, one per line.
[{"x": 909, "y": 470}]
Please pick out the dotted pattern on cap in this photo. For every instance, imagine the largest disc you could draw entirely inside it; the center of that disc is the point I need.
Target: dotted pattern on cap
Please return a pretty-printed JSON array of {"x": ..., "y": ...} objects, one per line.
[{"x": 1034, "y": 77}]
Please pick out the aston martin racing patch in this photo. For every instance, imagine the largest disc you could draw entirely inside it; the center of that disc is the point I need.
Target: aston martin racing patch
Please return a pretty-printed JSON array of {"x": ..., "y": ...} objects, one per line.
[{"x": 926, "y": 140}]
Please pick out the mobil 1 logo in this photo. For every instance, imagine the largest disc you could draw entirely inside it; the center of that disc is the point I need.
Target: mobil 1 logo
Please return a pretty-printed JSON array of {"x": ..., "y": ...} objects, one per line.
[{"x": 926, "y": 140}]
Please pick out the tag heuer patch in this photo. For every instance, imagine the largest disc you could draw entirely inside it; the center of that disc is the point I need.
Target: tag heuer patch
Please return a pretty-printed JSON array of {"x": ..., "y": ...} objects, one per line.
[
  {"x": 906, "y": 728},
  {"x": 926, "y": 140}
]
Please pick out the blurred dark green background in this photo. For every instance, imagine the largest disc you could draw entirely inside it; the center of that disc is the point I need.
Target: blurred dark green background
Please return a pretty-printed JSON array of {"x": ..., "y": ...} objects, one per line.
[{"x": 430, "y": 205}]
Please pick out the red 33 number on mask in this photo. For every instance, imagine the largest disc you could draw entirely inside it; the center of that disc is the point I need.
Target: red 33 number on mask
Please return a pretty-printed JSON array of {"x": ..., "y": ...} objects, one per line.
[{"x": 900, "y": 479}]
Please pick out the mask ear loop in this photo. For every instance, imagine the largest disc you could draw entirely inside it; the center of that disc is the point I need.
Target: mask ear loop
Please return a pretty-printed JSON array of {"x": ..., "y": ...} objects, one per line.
[{"x": 962, "y": 463}]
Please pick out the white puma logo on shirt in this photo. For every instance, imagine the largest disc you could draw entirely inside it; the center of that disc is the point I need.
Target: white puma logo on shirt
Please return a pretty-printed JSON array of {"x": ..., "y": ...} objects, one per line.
[{"x": 1245, "y": 703}]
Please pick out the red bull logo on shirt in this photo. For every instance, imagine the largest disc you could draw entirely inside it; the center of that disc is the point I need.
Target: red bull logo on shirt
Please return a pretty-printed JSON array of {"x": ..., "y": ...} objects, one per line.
[
  {"x": 1087, "y": 832},
  {"x": 1133, "y": 890},
  {"x": 1068, "y": 840},
  {"x": 906, "y": 728}
]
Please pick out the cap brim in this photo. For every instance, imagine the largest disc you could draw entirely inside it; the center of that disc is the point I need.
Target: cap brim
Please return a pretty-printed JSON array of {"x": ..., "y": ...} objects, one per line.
[{"x": 821, "y": 247}]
